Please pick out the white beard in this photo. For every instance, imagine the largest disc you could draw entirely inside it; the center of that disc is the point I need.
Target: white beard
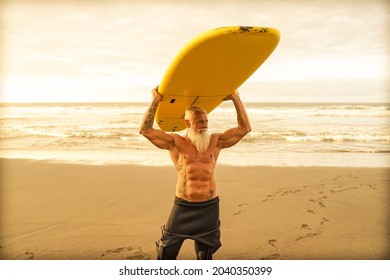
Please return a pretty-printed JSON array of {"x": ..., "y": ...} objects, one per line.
[{"x": 201, "y": 140}]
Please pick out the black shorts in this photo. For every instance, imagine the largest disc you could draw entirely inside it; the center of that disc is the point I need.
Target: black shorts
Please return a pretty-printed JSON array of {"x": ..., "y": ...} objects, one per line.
[{"x": 198, "y": 221}]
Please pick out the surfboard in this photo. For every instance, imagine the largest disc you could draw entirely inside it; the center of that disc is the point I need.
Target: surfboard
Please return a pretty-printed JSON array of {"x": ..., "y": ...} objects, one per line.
[{"x": 209, "y": 68}]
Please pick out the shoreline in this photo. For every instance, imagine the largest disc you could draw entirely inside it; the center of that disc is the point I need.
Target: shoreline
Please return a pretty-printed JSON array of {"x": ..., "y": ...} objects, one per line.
[
  {"x": 149, "y": 158},
  {"x": 56, "y": 210}
]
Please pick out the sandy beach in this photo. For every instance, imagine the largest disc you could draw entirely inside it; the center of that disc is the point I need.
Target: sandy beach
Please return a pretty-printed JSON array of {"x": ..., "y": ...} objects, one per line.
[{"x": 74, "y": 211}]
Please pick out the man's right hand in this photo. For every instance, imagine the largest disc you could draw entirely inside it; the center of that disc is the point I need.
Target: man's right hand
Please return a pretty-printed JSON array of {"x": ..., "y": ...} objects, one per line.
[{"x": 156, "y": 96}]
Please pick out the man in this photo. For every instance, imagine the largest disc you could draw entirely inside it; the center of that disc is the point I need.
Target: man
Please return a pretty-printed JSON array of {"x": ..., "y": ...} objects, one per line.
[{"x": 195, "y": 213}]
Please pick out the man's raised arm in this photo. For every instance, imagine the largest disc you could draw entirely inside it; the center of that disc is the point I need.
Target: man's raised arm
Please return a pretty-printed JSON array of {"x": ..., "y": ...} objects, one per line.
[
  {"x": 232, "y": 136},
  {"x": 158, "y": 137}
]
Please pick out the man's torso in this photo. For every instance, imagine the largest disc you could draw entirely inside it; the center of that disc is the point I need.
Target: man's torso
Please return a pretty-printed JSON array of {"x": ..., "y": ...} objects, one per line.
[{"x": 195, "y": 170}]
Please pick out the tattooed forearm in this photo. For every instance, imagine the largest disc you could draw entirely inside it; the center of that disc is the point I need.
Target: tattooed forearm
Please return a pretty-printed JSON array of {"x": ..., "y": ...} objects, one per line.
[{"x": 149, "y": 116}]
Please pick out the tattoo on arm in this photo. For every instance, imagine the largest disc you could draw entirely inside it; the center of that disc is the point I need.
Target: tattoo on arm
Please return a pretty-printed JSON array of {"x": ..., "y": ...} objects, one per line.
[{"x": 149, "y": 116}]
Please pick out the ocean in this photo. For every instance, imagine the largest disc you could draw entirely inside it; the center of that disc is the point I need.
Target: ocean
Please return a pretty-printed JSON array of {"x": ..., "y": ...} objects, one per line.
[{"x": 353, "y": 135}]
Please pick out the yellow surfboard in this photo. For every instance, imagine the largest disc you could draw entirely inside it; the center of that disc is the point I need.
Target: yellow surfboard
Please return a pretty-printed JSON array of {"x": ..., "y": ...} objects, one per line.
[{"x": 209, "y": 68}]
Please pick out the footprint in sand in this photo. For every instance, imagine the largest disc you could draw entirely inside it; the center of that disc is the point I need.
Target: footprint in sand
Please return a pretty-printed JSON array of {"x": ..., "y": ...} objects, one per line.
[
  {"x": 305, "y": 226},
  {"x": 30, "y": 255},
  {"x": 321, "y": 204},
  {"x": 239, "y": 211},
  {"x": 306, "y": 236},
  {"x": 285, "y": 193},
  {"x": 290, "y": 192},
  {"x": 311, "y": 211},
  {"x": 343, "y": 190},
  {"x": 271, "y": 257},
  {"x": 321, "y": 201},
  {"x": 324, "y": 220},
  {"x": 135, "y": 253},
  {"x": 272, "y": 242}
]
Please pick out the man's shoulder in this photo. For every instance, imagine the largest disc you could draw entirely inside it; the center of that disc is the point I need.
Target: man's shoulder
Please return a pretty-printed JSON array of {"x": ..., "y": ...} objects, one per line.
[
  {"x": 178, "y": 138},
  {"x": 215, "y": 135}
]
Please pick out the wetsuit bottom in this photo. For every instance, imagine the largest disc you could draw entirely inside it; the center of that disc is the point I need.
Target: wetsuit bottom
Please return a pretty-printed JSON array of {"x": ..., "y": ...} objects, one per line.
[{"x": 198, "y": 221}]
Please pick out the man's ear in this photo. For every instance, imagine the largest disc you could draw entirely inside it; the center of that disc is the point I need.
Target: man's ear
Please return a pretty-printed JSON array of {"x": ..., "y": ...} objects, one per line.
[{"x": 187, "y": 123}]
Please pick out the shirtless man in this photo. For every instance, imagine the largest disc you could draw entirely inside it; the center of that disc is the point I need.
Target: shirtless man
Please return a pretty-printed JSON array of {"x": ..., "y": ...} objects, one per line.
[{"x": 195, "y": 213}]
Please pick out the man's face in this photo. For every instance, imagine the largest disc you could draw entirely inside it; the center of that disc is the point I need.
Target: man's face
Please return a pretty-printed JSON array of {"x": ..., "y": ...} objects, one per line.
[
  {"x": 199, "y": 123},
  {"x": 197, "y": 131}
]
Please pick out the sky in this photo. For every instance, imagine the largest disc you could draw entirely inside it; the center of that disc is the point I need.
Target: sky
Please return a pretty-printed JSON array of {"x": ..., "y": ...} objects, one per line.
[{"x": 118, "y": 50}]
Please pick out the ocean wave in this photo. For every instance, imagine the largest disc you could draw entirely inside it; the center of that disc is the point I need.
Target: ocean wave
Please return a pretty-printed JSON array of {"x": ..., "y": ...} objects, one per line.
[
  {"x": 310, "y": 110},
  {"x": 27, "y": 133},
  {"x": 337, "y": 138},
  {"x": 298, "y": 136},
  {"x": 366, "y": 151},
  {"x": 356, "y": 107}
]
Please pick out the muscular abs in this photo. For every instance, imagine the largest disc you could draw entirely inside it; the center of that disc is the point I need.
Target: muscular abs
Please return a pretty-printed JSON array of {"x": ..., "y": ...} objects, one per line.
[{"x": 196, "y": 181}]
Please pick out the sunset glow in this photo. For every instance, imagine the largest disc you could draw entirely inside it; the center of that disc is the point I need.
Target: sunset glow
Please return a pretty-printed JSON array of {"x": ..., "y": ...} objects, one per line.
[{"x": 83, "y": 51}]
